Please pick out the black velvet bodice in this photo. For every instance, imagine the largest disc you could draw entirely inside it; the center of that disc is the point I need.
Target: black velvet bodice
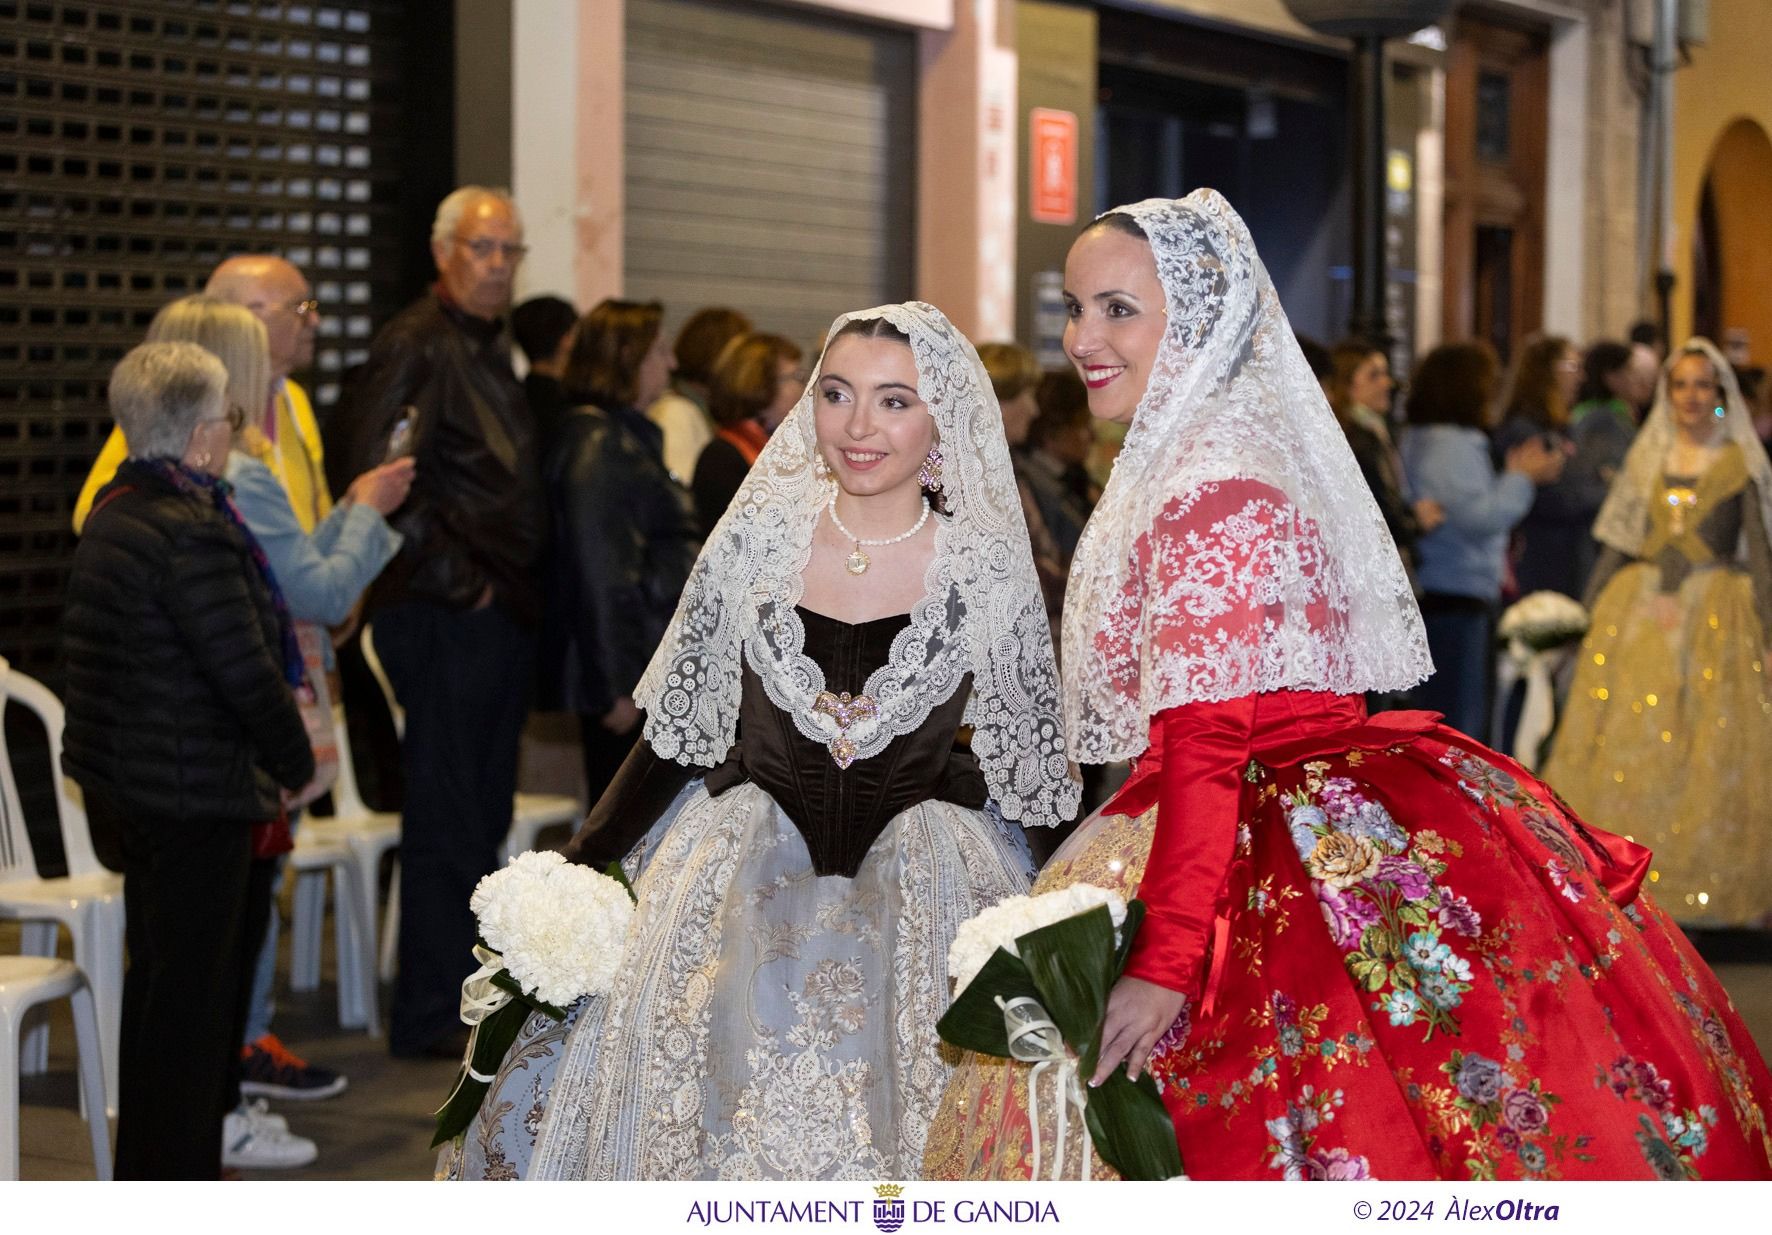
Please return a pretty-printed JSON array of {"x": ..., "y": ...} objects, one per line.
[{"x": 840, "y": 812}]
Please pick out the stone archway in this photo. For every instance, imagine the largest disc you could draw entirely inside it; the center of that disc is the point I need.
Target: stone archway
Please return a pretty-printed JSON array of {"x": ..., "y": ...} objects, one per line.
[{"x": 1732, "y": 241}]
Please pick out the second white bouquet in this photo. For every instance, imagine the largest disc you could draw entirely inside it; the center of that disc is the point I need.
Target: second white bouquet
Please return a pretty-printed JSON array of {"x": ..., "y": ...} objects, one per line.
[
  {"x": 1031, "y": 981},
  {"x": 1003, "y": 923},
  {"x": 1542, "y": 621}
]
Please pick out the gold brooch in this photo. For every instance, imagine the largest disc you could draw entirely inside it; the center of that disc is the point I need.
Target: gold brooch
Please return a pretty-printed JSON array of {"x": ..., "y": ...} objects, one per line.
[
  {"x": 846, "y": 710},
  {"x": 1682, "y": 500}
]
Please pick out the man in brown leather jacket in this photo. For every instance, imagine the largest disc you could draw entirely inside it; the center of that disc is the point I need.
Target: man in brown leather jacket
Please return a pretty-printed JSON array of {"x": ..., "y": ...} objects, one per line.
[{"x": 454, "y": 613}]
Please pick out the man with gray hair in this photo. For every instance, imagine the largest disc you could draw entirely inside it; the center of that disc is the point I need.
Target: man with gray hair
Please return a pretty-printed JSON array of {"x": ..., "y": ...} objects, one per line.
[
  {"x": 454, "y": 613},
  {"x": 279, "y": 296}
]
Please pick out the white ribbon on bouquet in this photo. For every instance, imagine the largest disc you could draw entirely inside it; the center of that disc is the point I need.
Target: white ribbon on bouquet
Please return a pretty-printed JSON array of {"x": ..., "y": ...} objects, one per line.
[
  {"x": 479, "y": 1000},
  {"x": 1033, "y": 1038}
]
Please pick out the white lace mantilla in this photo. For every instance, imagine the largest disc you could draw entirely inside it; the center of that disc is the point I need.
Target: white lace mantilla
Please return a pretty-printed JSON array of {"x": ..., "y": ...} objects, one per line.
[
  {"x": 1623, "y": 521},
  {"x": 1236, "y": 548},
  {"x": 981, "y": 613}
]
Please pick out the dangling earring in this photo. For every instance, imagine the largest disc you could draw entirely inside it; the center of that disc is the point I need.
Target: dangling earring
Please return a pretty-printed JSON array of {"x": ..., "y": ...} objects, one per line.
[
  {"x": 929, "y": 475},
  {"x": 820, "y": 468},
  {"x": 201, "y": 460}
]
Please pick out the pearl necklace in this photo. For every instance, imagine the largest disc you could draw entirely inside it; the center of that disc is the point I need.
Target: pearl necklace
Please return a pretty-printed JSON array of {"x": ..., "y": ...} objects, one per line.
[{"x": 857, "y": 563}]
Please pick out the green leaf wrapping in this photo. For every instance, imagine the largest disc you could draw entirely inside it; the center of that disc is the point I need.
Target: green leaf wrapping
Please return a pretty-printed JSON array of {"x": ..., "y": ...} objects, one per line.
[
  {"x": 1131, "y": 1127},
  {"x": 1073, "y": 963},
  {"x": 496, "y": 1034},
  {"x": 506, "y": 983},
  {"x": 616, "y": 872},
  {"x": 974, "y": 1022}
]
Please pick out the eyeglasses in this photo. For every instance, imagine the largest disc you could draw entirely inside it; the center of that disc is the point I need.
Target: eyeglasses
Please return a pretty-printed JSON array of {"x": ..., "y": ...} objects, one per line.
[
  {"x": 301, "y": 308},
  {"x": 484, "y": 249},
  {"x": 235, "y": 419}
]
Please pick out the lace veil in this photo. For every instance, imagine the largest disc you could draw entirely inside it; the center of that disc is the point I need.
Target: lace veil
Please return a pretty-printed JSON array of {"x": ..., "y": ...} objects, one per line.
[
  {"x": 1624, "y": 518},
  {"x": 1171, "y": 599},
  {"x": 981, "y": 613}
]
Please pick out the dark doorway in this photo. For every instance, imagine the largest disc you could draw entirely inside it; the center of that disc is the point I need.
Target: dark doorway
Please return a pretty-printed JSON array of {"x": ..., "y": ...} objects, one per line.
[
  {"x": 1497, "y": 81},
  {"x": 1493, "y": 287},
  {"x": 1185, "y": 106}
]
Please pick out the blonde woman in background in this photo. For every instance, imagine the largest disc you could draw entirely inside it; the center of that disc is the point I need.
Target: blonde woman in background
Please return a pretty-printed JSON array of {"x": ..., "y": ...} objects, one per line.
[{"x": 322, "y": 574}]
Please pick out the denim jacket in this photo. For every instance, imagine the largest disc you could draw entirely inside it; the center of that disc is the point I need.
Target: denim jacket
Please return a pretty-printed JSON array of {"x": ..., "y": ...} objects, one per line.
[
  {"x": 1465, "y": 555},
  {"x": 321, "y": 575}
]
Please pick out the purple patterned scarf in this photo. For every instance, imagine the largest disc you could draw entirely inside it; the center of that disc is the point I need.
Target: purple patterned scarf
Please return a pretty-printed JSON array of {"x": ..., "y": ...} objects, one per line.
[{"x": 219, "y": 493}]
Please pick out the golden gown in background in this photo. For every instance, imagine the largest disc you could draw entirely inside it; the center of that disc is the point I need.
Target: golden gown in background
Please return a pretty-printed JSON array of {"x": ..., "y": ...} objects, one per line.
[{"x": 1667, "y": 733}]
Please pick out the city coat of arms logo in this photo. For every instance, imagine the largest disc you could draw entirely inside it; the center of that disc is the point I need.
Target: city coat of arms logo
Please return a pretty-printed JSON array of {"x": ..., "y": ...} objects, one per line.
[{"x": 888, "y": 1207}]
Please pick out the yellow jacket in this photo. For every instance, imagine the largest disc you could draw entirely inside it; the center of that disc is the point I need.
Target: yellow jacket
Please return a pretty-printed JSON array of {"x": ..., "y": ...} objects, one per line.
[{"x": 297, "y": 459}]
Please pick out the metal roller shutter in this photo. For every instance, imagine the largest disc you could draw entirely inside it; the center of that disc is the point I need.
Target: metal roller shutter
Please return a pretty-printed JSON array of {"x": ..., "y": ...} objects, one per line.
[
  {"x": 140, "y": 143},
  {"x": 770, "y": 162}
]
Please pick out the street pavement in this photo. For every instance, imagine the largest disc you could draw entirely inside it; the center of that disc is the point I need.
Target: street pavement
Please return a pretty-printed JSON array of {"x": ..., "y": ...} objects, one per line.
[{"x": 380, "y": 1127}]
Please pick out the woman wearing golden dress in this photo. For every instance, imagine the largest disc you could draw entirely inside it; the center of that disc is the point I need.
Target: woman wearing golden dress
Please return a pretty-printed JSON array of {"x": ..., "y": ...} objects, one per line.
[{"x": 1667, "y": 734}]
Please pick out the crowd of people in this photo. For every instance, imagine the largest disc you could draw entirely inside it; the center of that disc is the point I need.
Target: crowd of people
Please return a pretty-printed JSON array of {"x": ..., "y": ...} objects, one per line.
[
  {"x": 836, "y": 624},
  {"x": 1636, "y": 483}
]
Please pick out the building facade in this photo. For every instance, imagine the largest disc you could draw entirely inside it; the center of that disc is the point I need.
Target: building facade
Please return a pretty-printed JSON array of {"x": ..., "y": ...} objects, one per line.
[
  {"x": 797, "y": 158},
  {"x": 1721, "y": 239}
]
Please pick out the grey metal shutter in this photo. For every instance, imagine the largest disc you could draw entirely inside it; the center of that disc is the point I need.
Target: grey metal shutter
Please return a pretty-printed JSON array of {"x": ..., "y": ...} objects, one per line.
[
  {"x": 770, "y": 162},
  {"x": 140, "y": 143}
]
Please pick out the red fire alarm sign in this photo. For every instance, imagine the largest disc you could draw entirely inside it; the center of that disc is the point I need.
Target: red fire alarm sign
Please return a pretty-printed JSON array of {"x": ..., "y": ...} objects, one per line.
[{"x": 1052, "y": 166}]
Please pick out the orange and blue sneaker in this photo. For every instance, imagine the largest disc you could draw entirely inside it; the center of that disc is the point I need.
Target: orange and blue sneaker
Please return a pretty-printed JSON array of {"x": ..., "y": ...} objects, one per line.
[{"x": 270, "y": 1069}]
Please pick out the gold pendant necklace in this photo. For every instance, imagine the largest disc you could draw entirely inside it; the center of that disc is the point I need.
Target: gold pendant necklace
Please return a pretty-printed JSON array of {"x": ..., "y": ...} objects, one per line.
[{"x": 857, "y": 562}]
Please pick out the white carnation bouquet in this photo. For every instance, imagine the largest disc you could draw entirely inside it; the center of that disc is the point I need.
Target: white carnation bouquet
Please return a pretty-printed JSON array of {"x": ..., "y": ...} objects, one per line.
[
  {"x": 1534, "y": 629},
  {"x": 1031, "y": 981},
  {"x": 551, "y": 933},
  {"x": 1542, "y": 621}
]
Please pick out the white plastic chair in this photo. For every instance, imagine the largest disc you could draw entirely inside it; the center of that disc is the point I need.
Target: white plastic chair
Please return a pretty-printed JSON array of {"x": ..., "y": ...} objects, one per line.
[
  {"x": 531, "y": 813},
  {"x": 350, "y": 843},
  {"x": 25, "y": 983},
  {"x": 88, "y": 900}
]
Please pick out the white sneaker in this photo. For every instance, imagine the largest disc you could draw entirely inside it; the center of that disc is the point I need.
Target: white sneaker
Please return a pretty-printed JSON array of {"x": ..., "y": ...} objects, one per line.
[
  {"x": 255, "y": 1139},
  {"x": 260, "y": 1112}
]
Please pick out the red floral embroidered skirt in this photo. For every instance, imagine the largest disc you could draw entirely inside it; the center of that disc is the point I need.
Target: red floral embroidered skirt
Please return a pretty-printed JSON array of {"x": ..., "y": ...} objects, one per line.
[{"x": 1425, "y": 976}]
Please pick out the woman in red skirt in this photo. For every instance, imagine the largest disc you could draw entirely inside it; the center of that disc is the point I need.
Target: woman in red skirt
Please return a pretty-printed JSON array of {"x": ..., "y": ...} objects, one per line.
[{"x": 1374, "y": 948}]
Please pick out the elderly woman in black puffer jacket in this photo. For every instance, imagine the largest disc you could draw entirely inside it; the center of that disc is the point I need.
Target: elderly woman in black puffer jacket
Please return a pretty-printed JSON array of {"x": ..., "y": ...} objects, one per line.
[{"x": 182, "y": 731}]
